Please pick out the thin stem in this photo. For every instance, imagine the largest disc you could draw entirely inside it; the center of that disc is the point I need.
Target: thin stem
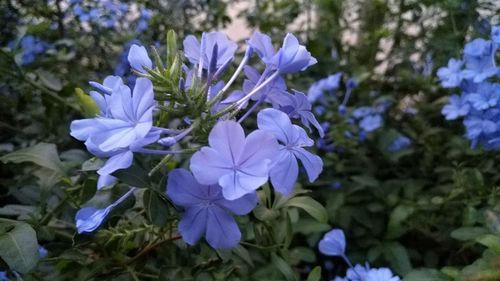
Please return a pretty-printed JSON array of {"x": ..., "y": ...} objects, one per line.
[
  {"x": 350, "y": 265},
  {"x": 346, "y": 97},
  {"x": 254, "y": 106},
  {"x": 235, "y": 75},
  {"x": 162, "y": 163},
  {"x": 132, "y": 273},
  {"x": 257, "y": 88}
]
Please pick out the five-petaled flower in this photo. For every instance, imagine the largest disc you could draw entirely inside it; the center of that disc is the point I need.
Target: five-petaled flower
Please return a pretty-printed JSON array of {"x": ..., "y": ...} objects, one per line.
[
  {"x": 239, "y": 165},
  {"x": 293, "y": 138},
  {"x": 206, "y": 211}
]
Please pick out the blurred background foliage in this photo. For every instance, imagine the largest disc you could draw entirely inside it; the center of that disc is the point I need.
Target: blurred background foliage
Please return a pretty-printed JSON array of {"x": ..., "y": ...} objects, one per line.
[{"x": 434, "y": 205}]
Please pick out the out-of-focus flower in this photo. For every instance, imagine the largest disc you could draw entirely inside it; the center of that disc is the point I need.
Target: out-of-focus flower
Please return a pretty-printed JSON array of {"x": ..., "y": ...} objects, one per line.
[
  {"x": 451, "y": 76},
  {"x": 457, "y": 106},
  {"x": 333, "y": 243},
  {"x": 399, "y": 143}
]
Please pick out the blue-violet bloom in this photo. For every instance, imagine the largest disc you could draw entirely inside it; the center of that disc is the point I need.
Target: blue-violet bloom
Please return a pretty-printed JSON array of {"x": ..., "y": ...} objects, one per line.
[
  {"x": 207, "y": 212},
  {"x": 293, "y": 138},
  {"x": 239, "y": 165}
]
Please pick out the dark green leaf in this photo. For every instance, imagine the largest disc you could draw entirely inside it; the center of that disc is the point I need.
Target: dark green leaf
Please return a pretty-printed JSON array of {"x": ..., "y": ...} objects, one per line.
[
  {"x": 283, "y": 267},
  {"x": 156, "y": 207},
  {"x": 426, "y": 275},
  {"x": 311, "y": 206},
  {"x": 242, "y": 252},
  {"x": 264, "y": 214},
  {"x": 18, "y": 246},
  {"x": 133, "y": 176},
  {"x": 468, "y": 233},
  {"x": 42, "y": 154},
  {"x": 398, "y": 257}
]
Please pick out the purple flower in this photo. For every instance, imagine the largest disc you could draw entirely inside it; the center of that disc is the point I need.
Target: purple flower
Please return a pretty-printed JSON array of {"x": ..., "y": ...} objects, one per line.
[
  {"x": 457, "y": 106},
  {"x": 361, "y": 112},
  {"x": 381, "y": 274},
  {"x": 479, "y": 60},
  {"x": 239, "y": 165},
  {"x": 298, "y": 106},
  {"x": 110, "y": 84},
  {"x": 317, "y": 89},
  {"x": 207, "y": 212},
  {"x": 263, "y": 46},
  {"x": 333, "y": 243},
  {"x": 358, "y": 273},
  {"x": 486, "y": 96},
  {"x": 42, "y": 252},
  {"x": 89, "y": 219},
  {"x": 293, "y": 138},
  {"x": 194, "y": 49},
  {"x": 124, "y": 125},
  {"x": 399, "y": 143},
  {"x": 138, "y": 58},
  {"x": 131, "y": 119},
  {"x": 495, "y": 34},
  {"x": 274, "y": 93},
  {"x": 291, "y": 57},
  {"x": 451, "y": 76},
  {"x": 370, "y": 123},
  {"x": 482, "y": 123}
]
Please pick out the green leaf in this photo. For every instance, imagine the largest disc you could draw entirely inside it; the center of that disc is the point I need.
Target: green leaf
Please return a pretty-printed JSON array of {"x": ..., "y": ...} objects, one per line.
[
  {"x": 242, "y": 252},
  {"x": 398, "y": 216},
  {"x": 398, "y": 258},
  {"x": 305, "y": 254},
  {"x": 88, "y": 106},
  {"x": 17, "y": 210},
  {"x": 264, "y": 214},
  {"x": 156, "y": 207},
  {"x": 18, "y": 245},
  {"x": 311, "y": 206},
  {"x": 42, "y": 154},
  {"x": 315, "y": 274},
  {"x": 171, "y": 47},
  {"x": 366, "y": 180},
  {"x": 282, "y": 266},
  {"x": 133, "y": 176},
  {"x": 426, "y": 275},
  {"x": 468, "y": 233},
  {"x": 93, "y": 164},
  {"x": 50, "y": 80},
  {"x": 491, "y": 241},
  {"x": 309, "y": 226}
]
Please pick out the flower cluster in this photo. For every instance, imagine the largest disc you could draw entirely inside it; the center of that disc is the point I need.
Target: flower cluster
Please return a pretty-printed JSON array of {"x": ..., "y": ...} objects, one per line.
[
  {"x": 399, "y": 143},
  {"x": 358, "y": 121},
  {"x": 174, "y": 105},
  {"x": 334, "y": 244},
  {"x": 478, "y": 104},
  {"x": 109, "y": 13},
  {"x": 31, "y": 47}
]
